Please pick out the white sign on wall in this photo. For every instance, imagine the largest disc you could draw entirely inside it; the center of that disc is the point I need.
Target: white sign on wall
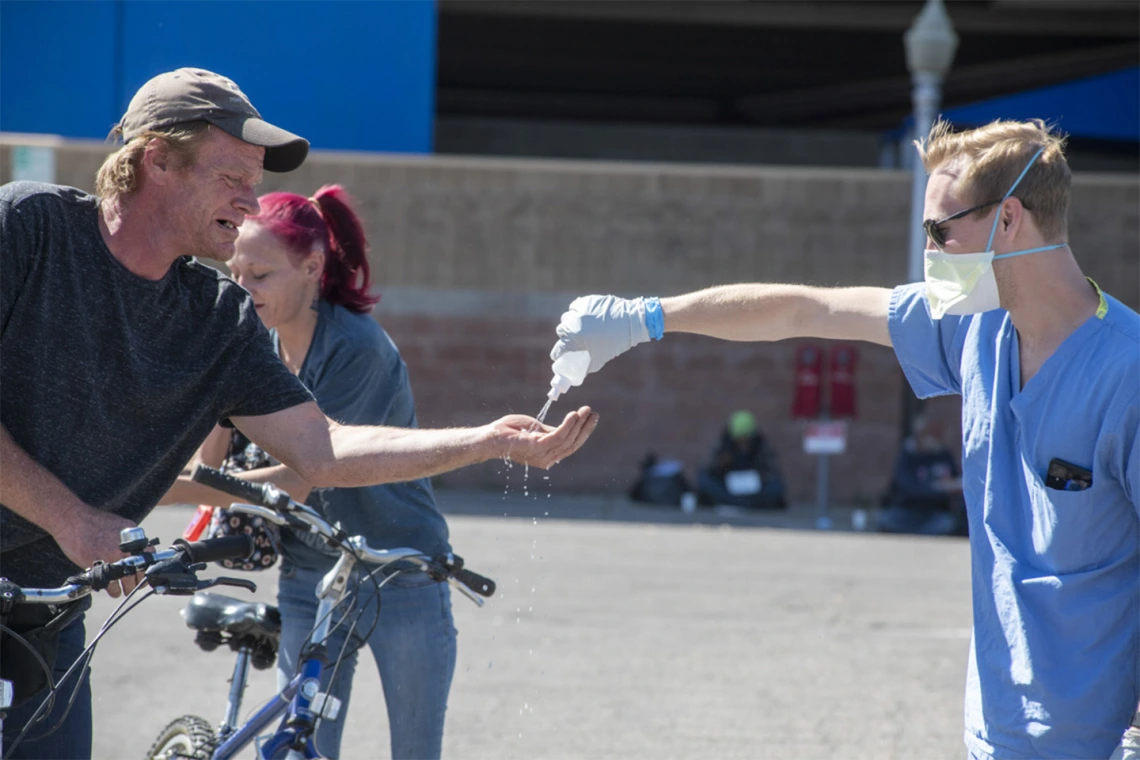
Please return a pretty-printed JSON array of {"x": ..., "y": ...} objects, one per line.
[
  {"x": 826, "y": 437},
  {"x": 33, "y": 163}
]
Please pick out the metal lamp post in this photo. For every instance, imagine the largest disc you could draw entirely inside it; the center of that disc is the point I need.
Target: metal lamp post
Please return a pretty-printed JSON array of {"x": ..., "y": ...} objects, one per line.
[{"x": 930, "y": 46}]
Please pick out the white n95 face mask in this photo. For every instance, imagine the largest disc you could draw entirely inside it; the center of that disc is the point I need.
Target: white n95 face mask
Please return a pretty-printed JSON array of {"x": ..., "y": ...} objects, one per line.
[
  {"x": 960, "y": 283},
  {"x": 964, "y": 283}
]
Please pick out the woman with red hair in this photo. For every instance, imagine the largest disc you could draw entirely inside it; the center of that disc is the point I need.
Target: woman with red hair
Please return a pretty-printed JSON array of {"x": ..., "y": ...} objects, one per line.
[{"x": 304, "y": 262}]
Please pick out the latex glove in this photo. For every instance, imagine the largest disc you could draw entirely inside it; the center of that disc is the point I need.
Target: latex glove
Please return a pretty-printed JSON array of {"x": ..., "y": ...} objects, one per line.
[
  {"x": 605, "y": 326},
  {"x": 1129, "y": 748}
]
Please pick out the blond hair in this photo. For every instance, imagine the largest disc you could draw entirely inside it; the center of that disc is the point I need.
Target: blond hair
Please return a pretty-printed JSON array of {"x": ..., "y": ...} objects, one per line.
[
  {"x": 988, "y": 159},
  {"x": 119, "y": 174}
]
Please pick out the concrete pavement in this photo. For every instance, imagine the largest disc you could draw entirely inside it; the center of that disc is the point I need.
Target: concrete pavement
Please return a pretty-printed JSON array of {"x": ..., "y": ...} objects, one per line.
[{"x": 622, "y": 631}]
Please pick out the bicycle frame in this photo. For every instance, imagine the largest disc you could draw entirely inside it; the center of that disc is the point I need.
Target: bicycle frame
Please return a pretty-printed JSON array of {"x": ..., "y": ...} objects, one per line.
[
  {"x": 301, "y": 704},
  {"x": 296, "y": 699}
]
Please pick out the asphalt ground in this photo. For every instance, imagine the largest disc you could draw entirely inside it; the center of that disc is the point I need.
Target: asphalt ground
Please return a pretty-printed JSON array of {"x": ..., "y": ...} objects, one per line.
[{"x": 625, "y": 631}]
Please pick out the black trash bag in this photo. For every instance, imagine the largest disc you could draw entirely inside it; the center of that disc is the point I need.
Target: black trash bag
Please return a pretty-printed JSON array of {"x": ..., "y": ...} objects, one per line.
[{"x": 660, "y": 482}]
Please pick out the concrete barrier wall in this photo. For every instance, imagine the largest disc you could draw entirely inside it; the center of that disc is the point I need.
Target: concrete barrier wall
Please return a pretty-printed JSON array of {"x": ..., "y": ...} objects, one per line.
[{"x": 476, "y": 259}]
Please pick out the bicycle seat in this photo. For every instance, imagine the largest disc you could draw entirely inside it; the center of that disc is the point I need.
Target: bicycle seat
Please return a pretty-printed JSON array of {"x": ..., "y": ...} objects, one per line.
[{"x": 214, "y": 612}]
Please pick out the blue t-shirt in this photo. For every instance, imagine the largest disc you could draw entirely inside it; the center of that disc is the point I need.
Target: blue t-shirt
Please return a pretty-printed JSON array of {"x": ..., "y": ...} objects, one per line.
[
  {"x": 358, "y": 378},
  {"x": 1054, "y": 668}
]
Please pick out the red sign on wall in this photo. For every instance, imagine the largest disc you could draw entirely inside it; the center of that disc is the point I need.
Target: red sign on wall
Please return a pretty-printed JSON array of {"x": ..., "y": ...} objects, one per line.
[
  {"x": 809, "y": 377},
  {"x": 842, "y": 376}
]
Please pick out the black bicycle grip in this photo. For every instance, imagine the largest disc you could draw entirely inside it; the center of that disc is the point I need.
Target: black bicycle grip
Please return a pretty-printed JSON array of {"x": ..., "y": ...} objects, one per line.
[
  {"x": 475, "y": 582},
  {"x": 249, "y": 493},
  {"x": 101, "y": 575},
  {"x": 215, "y": 549}
]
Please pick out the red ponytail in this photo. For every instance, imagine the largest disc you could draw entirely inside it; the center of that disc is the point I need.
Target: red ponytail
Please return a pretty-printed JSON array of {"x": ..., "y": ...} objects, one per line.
[{"x": 325, "y": 221}]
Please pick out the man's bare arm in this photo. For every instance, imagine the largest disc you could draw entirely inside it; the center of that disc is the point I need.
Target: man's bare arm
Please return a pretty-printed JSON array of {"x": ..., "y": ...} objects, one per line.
[
  {"x": 85, "y": 534},
  {"x": 324, "y": 453},
  {"x": 755, "y": 312}
]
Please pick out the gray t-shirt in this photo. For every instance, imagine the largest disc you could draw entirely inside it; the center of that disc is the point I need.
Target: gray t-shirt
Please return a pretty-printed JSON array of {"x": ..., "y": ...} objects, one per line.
[
  {"x": 355, "y": 371},
  {"x": 108, "y": 380}
]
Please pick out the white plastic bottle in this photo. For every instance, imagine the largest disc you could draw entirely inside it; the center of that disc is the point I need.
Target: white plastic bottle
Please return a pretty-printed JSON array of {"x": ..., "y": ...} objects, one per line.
[{"x": 569, "y": 370}]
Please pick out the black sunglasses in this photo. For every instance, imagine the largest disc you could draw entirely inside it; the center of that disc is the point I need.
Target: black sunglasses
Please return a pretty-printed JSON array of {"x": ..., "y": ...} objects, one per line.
[{"x": 934, "y": 229}]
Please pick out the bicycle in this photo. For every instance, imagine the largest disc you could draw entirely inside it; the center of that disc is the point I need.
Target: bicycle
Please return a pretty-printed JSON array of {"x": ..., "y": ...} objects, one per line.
[
  {"x": 168, "y": 571},
  {"x": 253, "y": 630}
]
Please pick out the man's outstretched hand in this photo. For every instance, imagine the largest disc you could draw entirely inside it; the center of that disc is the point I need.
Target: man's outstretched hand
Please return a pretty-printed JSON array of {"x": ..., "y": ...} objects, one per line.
[{"x": 524, "y": 439}]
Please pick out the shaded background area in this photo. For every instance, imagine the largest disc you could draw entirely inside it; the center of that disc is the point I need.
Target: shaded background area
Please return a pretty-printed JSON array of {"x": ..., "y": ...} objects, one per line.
[{"x": 779, "y": 81}]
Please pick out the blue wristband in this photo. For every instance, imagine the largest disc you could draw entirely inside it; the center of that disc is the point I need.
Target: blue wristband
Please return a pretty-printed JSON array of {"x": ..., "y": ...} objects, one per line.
[{"x": 654, "y": 318}]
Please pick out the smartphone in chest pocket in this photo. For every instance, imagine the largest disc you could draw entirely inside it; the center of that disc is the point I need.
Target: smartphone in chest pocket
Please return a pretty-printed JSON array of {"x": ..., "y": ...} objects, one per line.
[{"x": 1066, "y": 476}]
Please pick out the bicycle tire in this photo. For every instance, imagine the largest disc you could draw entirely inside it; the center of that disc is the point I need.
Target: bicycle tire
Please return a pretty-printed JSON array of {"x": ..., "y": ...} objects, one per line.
[{"x": 186, "y": 738}]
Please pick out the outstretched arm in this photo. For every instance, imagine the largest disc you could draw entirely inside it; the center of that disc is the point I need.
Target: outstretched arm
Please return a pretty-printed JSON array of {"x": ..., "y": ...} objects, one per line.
[
  {"x": 608, "y": 326},
  {"x": 324, "y": 453},
  {"x": 758, "y": 312}
]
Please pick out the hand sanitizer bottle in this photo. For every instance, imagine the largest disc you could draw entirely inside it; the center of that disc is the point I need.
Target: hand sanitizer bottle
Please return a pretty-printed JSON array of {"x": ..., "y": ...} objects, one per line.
[{"x": 570, "y": 369}]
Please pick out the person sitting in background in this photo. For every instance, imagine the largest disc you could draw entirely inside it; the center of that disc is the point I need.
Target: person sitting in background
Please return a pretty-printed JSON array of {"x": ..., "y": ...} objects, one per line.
[
  {"x": 660, "y": 481},
  {"x": 744, "y": 471},
  {"x": 925, "y": 494}
]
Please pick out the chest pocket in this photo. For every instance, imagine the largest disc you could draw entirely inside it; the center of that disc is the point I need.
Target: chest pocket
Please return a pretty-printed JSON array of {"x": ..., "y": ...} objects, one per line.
[{"x": 1076, "y": 531}]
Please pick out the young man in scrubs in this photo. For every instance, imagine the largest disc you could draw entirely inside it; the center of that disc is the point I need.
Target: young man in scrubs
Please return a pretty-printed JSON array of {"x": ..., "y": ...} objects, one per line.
[{"x": 1048, "y": 367}]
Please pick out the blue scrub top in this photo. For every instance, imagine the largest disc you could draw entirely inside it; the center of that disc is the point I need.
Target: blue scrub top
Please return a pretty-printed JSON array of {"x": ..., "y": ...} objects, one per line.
[{"x": 1054, "y": 668}]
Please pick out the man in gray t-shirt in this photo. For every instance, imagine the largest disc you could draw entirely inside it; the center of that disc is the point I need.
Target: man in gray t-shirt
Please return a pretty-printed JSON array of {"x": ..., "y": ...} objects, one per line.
[{"x": 119, "y": 353}]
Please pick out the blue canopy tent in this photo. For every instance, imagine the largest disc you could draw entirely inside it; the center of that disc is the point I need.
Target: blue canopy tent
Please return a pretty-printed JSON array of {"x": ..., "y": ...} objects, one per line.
[
  {"x": 1102, "y": 107},
  {"x": 1101, "y": 111}
]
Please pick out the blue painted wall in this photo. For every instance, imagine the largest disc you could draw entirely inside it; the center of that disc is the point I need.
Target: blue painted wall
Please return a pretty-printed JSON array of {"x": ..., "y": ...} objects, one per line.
[
  {"x": 56, "y": 68},
  {"x": 346, "y": 75}
]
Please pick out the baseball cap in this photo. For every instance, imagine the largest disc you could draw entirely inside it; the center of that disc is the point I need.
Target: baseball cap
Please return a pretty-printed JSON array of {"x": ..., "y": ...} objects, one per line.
[{"x": 183, "y": 95}]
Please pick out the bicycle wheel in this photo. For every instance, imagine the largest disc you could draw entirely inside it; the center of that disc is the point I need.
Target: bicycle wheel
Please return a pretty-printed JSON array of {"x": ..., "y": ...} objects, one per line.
[{"x": 185, "y": 738}]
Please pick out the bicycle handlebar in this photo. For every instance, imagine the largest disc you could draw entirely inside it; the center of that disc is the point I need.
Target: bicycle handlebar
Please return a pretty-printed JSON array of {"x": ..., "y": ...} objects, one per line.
[
  {"x": 262, "y": 494},
  {"x": 481, "y": 585},
  {"x": 102, "y": 574},
  {"x": 275, "y": 506},
  {"x": 217, "y": 549}
]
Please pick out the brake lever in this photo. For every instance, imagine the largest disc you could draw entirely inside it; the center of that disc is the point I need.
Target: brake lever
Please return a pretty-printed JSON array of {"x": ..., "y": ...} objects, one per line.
[
  {"x": 462, "y": 588},
  {"x": 224, "y": 581},
  {"x": 173, "y": 576}
]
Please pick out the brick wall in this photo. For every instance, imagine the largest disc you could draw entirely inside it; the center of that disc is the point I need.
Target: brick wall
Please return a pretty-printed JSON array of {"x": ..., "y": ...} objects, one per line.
[
  {"x": 671, "y": 397},
  {"x": 477, "y": 257}
]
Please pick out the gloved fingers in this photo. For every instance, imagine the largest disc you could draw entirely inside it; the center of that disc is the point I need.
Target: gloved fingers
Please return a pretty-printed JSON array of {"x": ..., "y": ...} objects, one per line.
[
  {"x": 581, "y": 304},
  {"x": 570, "y": 325},
  {"x": 562, "y": 346}
]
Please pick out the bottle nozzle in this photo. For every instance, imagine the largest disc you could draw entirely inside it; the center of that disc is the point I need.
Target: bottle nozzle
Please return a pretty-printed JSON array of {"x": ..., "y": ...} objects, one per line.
[{"x": 559, "y": 385}]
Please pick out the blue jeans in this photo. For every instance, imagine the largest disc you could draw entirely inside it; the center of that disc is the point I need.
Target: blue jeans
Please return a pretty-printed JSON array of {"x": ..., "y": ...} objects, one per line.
[
  {"x": 712, "y": 488},
  {"x": 73, "y": 738},
  {"x": 413, "y": 644}
]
